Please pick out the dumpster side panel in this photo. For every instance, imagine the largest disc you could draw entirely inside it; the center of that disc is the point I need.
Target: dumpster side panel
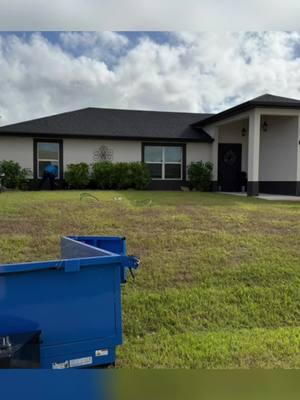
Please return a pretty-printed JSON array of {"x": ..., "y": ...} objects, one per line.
[
  {"x": 71, "y": 248},
  {"x": 99, "y": 355},
  {"x": 69, "y": 308},
  {"x": 115, "y": 244},
  {"x": 75, "y": 302}
]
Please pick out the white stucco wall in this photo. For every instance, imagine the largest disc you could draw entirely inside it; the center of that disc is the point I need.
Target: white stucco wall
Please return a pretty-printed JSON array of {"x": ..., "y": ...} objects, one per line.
[
  {"x": 198, "y": 152},
  {"x": 232, "y": 133},
  {"x": 18, "y": 149},
  {"x": 278, "y": 149},
  {"x": 82, "y": 150}
]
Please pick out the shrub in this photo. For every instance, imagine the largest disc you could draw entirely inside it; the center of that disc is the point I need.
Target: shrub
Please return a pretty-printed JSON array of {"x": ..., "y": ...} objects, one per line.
[
  {"x": 15, "y": 176},
  {"x": 121, "y": 175},
  {"x": 140, "y": 175},
  {"x": 200, "y": 175},
  {"x": 134, "y": 175},
  {"x": 102, "y": 175},
  {"x": 77, "y": 175}
]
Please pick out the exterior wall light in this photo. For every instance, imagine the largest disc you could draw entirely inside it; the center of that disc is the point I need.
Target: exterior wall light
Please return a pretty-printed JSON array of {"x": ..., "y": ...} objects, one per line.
[
  {"x": 265, "y": 126},
  {"x": 244, "y": 131}
]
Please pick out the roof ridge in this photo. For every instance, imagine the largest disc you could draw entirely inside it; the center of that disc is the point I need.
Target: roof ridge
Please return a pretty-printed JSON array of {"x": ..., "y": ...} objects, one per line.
[
  {"x": 104, "y": 109},
  {"x": 154, "y": 111}
]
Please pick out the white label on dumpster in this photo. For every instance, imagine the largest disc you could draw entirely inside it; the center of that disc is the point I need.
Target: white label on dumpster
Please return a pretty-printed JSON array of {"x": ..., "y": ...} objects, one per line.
[
  {"x": 78, "y": 362},
  {"x": 101, "y": 353},
  {"x": 61, "y": 365}
]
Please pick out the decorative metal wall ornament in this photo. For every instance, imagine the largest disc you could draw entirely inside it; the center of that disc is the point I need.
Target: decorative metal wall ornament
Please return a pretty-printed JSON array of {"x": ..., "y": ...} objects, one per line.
[{"x": 103, "y": 153}]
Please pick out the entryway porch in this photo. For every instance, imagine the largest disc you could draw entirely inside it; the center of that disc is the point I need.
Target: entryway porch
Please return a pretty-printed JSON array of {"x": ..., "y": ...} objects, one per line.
[{"x": 258, "y": 152}]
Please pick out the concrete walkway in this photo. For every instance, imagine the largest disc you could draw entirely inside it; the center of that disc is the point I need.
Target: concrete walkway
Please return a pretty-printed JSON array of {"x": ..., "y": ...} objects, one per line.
[
  {"x": 271, "y": 197},
  {"x": 278, "y": 197}
]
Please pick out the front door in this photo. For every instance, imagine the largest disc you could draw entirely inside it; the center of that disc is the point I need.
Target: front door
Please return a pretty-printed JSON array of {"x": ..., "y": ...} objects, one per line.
[{"x": 229, "y": 167}]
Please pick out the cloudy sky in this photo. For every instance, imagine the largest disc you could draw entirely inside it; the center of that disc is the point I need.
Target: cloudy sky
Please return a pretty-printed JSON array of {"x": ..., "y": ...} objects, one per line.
[{"x": 47, "y": 73}]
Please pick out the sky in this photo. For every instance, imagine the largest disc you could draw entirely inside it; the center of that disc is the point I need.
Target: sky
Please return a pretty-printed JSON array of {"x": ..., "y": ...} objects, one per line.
[
  {"x": 149, "y": 14},
  {"x": 44, "y": 73}
]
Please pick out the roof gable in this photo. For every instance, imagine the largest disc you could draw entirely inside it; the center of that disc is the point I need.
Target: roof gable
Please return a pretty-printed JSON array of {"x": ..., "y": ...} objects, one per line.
[{"x": 266, "y": 100}]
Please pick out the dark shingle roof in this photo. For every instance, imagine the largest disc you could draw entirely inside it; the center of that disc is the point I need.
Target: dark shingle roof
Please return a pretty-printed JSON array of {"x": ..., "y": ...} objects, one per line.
[
  {"x": 266, "y": 100},
  {"x": 271, "y": 100},
  {"x": 116, "y": 124}
]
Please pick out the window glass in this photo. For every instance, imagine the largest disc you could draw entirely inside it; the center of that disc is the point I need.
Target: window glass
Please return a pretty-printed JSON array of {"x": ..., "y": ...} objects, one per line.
[
  {"x": 153, "y": 154},
  {"x": 43, "y": 164},
  {"x": 172, "y": 171},
  {"x": 173, "y": 154},
  {"x": 48, "y": 151},
  {"x": 155, "y": 170},
  {"x": 164, "y": 162}
]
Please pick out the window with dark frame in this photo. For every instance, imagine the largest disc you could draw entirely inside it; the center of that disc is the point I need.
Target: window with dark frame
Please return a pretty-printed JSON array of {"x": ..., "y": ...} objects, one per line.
[{"x": 164, "y": 162}]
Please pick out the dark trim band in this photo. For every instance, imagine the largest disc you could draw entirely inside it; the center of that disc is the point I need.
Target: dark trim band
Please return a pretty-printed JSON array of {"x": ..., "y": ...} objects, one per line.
[
  {"x": 252, "y": 188},
  {"x": 291, "y": 188},
  {"x": 102, "y": 137}
]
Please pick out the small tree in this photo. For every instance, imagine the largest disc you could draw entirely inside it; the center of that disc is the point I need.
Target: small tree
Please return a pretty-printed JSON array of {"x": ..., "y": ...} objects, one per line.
[
  {"x": 14, "y": 175},
  {"x": 77, "y": 175},
  {"x": 200, "y": 175}
]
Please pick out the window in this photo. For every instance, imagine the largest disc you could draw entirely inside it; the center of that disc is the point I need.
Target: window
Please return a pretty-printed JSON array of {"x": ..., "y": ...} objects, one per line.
[
  {"x": 164, "y": 162},
  {"x": 47, "y": 153}
]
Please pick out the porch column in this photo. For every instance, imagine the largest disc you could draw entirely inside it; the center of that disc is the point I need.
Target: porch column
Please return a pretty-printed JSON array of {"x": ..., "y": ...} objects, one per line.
[
  {"x": 298, "y": 160},
  {"x": 215, "y": 155},
  {"x": 253, "y": 153}
]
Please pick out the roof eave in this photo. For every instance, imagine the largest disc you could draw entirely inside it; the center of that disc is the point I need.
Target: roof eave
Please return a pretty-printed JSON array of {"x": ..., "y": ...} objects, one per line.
[
  {"x": 241, "y": 108},
  {"x": 207, "y": 139}
]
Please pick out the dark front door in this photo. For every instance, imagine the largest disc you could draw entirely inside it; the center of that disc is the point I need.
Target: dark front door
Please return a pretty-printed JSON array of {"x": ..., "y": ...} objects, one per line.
[{"x": 229, "y": 168}]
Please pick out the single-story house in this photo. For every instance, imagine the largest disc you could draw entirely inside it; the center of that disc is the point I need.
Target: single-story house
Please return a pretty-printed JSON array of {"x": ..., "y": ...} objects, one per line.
[{"x": 257, "y": 140}]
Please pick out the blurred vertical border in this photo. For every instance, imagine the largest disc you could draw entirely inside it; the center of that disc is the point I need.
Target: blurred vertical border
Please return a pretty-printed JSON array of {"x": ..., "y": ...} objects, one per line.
[
  {"x": 54, "y": 385},
  {"x": 149, "y": 385},
  {"x": 208, "y": 385}
]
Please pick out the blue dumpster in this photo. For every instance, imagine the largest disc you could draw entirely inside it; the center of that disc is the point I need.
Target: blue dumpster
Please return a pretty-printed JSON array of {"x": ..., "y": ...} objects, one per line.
[{"x": 73, "y": 303}]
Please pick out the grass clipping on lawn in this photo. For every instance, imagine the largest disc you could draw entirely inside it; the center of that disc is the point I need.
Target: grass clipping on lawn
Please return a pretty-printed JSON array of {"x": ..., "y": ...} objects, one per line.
[{"x": 219, "y": 283}]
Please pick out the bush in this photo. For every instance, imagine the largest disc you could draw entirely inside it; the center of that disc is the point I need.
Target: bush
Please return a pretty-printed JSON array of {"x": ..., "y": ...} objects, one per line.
[
  {"x": 133, "y": 175},
  {"x": 140, "y": 175},
  {"x": 15, "y": 176},
  {"x": 102, "y": 175},
  {"x": 122, "y": 175},
  {"x": 200, "y": 175},
  {"x": 77, "y": 175}
]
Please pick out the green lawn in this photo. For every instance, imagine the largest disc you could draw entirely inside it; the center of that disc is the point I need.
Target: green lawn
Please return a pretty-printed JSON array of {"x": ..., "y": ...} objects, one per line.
[{"x": 219, "y": 283}]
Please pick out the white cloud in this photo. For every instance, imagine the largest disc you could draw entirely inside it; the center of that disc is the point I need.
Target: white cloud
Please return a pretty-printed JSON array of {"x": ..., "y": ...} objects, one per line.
[
  {"x": 105, "y": 45},
  {"x": 196, "y": 72}
]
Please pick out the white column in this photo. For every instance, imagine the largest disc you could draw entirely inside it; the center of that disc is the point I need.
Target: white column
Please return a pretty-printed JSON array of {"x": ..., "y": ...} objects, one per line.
[
  {"x": 253, "y": 152},
  {"x": 298, "y": 160},
  {"x": 215, "y": 154}
]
